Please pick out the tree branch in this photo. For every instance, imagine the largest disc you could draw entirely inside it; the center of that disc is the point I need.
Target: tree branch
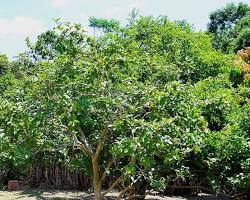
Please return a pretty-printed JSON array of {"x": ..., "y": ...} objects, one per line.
[
  {"x": 115, "y": 183},
  {"x": 85, "y": 141},
  {"x": 81, "y": 145},
  {"x": 101, "y": 141},
  {"x": 123, "y": 191}
]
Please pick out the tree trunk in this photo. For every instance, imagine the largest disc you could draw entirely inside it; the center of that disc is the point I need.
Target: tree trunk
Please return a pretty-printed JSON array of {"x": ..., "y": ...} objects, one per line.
[{"x": 96, "y": 180}]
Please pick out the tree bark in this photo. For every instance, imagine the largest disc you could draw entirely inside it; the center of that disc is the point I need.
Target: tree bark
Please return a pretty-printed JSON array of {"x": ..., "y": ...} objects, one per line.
[
  {"x": 87, "y": 149},
  {"x": 96, "y": 180}
]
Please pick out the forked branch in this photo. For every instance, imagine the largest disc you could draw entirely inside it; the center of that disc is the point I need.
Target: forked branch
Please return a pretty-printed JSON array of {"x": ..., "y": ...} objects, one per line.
[
  {"x": 85, "y": 141},
  {"x": 82, "y": 145},
  {"x": 101, "y": 142}
]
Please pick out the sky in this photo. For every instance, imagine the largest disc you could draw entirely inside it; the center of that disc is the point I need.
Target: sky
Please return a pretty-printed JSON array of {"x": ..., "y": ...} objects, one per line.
[{"x": 28, "y": 18}]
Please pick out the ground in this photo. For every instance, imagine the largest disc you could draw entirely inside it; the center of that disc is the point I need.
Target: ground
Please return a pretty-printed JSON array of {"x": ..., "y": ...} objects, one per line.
[{"x": 76, "y": 195}]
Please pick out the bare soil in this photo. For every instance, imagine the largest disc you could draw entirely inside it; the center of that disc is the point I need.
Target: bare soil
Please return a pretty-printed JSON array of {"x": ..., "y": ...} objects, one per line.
[{"x": 36, "y": 194}]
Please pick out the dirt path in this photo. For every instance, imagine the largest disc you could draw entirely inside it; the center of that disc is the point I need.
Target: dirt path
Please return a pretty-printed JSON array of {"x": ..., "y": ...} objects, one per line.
[{"x": 76, "y": 195}]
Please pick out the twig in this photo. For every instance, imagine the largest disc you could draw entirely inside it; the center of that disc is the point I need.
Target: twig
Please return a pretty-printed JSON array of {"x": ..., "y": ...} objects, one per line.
[{"x": 110, "y": 163}]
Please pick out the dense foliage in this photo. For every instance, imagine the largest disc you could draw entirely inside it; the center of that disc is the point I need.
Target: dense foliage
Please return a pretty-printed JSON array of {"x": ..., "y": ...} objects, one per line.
[{"x": 151, "y": 100}]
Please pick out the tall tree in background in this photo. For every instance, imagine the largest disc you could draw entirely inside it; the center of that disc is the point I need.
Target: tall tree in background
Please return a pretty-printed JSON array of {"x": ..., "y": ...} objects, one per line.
[
  {"x": 222, "y": 25},
  {"x": 242, "y": 34}
]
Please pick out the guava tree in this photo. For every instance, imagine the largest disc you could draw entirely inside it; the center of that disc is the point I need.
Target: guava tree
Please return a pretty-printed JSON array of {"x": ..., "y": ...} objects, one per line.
[
  {"x": 91, "y": 98},
  {"x": 125, "y": 99}
]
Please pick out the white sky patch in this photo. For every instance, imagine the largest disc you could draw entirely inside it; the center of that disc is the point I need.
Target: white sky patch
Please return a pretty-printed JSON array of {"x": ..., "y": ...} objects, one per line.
[
  {"x": 19, "y": 20},
  {"x": 115, "y": 12},
  {"x": 60, "y": 3},
  {"x": 122, "y": 12},
  {"x": 137, "y": 4},
  {"x": 84, "y": 19},
  {"x": 14, "y": 31},
  {"x": 20, "y": 26}
]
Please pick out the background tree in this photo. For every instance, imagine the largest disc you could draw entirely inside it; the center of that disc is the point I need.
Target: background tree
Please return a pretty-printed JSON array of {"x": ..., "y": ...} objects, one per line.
[
  {"x": 222, "y": 24},
  {"x": 242, "y": 40}
]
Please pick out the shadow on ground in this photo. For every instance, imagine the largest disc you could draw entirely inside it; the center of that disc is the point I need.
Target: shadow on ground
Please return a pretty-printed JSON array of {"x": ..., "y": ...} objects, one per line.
[
  {"x": 54, "y": 195},
  {"x": 35, "y": 194},
  {"x": 210, "y": 197},
  {"x": 58, "y": 195}
]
